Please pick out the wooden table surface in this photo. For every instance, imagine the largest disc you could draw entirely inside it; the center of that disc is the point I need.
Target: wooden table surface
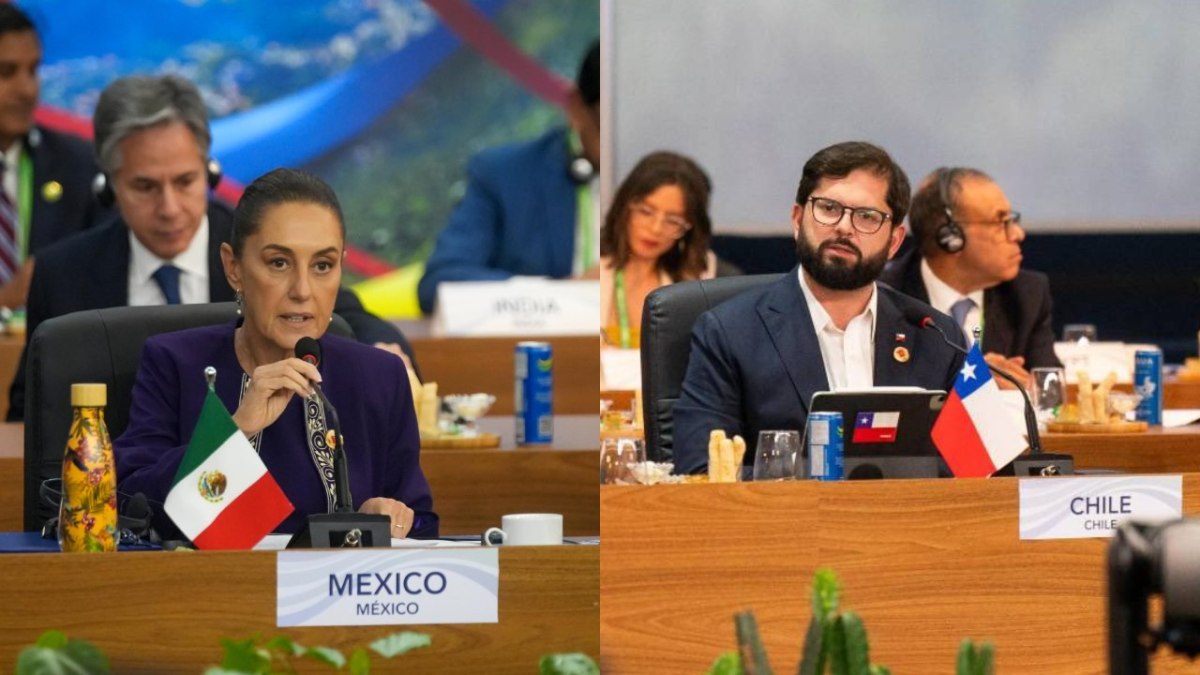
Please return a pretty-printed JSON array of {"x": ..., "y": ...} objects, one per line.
[
  {"x": 159, "y": 612},
  {"x": 925, "y": 563},
  {"x": 1156, "y": 450},
  {"x": 469, "y": 365},
  {"x": 471, "y": 488}
]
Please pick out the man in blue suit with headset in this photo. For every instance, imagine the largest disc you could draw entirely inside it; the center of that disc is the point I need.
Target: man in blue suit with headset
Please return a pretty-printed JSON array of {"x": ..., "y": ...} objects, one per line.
[{"x": 531, "y": 208}]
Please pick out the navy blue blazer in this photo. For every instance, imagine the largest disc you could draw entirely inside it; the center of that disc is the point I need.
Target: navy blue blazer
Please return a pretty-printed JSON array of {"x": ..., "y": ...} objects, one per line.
[
  {"x": 517, "y": 218},
  {"x": 756, "y": 363},
  {"x": 91, "y": 271},
  {"x": 66, "y": 160},
  {"x": 1016, "y": 314},
  {"x": 368, "y": 386}
]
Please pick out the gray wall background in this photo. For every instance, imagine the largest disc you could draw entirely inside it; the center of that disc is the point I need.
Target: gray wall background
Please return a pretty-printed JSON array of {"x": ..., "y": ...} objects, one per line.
[{"x": 1087, "y": 112}]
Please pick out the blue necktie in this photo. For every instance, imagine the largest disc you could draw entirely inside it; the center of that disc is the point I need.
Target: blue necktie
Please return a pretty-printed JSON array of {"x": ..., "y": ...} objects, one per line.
[
  {"x": 167, "y": 277},
  {"x": 959, "y": 311}
]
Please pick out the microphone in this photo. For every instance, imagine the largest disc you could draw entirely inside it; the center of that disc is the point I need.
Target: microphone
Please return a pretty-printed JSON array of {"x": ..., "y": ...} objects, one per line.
[
  {"x": 1031, "y": 428},
  {"x": 309, "y": 351}
]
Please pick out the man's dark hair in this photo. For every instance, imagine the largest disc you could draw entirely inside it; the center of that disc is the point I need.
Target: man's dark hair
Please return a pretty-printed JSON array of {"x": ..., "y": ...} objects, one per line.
[
  {"x": 276, "y": 187},
  {"x": 13, "y": 20},
  {"x": 928, "y": 210},
  {"x": 588, "y": 80},
  {"x": 838, "y": 161}
]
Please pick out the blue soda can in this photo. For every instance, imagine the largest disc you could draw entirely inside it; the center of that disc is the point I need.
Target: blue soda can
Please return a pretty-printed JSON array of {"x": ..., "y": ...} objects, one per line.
[
  {"x": 825, "y": 446},
  {"x": 1148, "y": 381},
  {"x": 534, "y": 399}
]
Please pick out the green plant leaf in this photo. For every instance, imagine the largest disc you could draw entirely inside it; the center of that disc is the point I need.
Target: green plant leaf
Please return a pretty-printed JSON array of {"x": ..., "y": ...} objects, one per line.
[
  {"x": 837, "y": 647},
  {"x": 880, "y": 670},
  {"x": 858, "y": 657},
  {"x": 573, "y": 663},
  {"x": 326, "y": 655},
  {"x": 284, "y": 645},
  {"x": 360, "y": 662},
  {"x": 243, "y": 656},
  {"x": 399, "y": 643},
  {"x": 750, "y": 647},
  {"x": 52, "y": 639},
  {"x": 985, "y": 659},
  {"x": 726, "y": 664},
  {"x": 811, "y": 661},
  {"x": 825, "y": 594},
  {"x": 965, "y": 664},
  {"x": 72, "y": 657}
]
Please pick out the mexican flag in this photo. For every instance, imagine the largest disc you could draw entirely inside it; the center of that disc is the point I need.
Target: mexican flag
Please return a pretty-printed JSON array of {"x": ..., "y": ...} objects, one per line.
[{"x": 223, "y": 497}]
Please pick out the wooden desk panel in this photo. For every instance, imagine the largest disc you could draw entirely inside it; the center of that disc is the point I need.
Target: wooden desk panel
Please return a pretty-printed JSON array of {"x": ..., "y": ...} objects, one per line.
[
  {"x": 166, "y": 612},
  {"x": 925, "y": 563},
  {"x": 468, "y": 365},
  {"x": 1157, "y": 450}
]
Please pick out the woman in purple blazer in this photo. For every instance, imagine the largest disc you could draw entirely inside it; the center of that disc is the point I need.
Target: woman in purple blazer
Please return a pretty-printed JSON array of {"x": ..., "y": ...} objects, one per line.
[{"x": 285, "y": 264}]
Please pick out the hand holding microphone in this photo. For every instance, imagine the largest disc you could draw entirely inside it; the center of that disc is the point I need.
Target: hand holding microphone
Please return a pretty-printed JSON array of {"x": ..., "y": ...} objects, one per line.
[{"x": 271, "y": 389}]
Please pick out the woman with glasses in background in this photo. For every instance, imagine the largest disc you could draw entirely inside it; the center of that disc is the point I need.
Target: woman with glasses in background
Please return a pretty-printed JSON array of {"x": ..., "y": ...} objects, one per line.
[{"x": 656, "y": 232}]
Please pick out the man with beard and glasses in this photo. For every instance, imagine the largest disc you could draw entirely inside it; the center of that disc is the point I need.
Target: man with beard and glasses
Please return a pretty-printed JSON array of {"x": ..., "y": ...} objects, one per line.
[{"x": 758, "y": 359}]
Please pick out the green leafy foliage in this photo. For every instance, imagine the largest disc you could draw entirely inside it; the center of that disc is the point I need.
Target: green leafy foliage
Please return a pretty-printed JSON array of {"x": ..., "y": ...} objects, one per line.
[
  {"x": 974, "y": 660},
  {"x": 726, "y": 664},
  {"x": 399, "y": 643},
  {"x": 573, "y": 663},
  {"x": 55, "y": 654},
  {"x": 750, "y": 647}
]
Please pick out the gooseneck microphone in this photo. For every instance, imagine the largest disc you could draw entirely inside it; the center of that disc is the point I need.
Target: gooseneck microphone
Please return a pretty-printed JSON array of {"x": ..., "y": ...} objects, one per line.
[
  {"x": 1031, "y": 426},
  {"x": 309, "y": 351}
]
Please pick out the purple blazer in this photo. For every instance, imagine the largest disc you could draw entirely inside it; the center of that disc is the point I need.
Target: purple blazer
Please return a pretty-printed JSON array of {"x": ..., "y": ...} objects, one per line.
[{"x": 368, "y": 386}]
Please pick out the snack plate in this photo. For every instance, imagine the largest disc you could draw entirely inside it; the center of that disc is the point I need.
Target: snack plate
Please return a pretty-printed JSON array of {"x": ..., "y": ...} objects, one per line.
[{"x": 1097, "y": 428}]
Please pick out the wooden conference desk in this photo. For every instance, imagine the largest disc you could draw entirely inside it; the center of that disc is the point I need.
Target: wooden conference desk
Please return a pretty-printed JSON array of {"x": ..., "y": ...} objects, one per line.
[
  {"x": 159, "y": 612},
  {"x": 1158, "y": 450},
  {"x": 469, "y": 365},
  {"x": 924, "y": 563},
  {"x": 471, "y": 488}
]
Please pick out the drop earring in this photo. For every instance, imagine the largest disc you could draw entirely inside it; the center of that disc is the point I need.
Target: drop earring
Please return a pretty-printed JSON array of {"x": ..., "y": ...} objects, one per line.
[{"x": 238, "y": 298}]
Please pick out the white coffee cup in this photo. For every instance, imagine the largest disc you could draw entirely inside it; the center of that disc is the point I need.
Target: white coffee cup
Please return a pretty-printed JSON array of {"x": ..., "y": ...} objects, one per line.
[{"x": 526, "y": 529}]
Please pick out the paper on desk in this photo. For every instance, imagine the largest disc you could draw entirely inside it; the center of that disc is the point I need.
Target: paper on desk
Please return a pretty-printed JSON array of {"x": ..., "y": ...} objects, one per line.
[
  {"x": 621, "y": 368},
  {"x": 278, "y": 542},
  {"x": 1180, "y": 417}
]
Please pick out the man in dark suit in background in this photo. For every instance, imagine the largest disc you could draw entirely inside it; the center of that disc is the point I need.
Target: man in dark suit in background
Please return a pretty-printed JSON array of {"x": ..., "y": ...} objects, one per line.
[
  {"x": 531, "y": 208},
  {"x": 45, "y": 176},
  {"x": 757, "y": 359},
  {"x": 967, "y": 263},
  {"x": 152, "y": 139}
]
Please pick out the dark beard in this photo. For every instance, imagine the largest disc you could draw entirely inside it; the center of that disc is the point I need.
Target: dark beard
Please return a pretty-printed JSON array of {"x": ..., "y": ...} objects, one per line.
[{"x": 835, "y": 273}]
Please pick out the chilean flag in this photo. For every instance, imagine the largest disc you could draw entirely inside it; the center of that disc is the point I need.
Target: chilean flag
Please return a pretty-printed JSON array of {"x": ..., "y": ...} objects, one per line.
[
  {"x": 875, "y": 427},
  {"x": 973, "y": 432}
]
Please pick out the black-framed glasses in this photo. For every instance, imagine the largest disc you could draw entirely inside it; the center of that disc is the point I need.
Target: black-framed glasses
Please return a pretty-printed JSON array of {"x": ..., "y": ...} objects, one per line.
[
  {"x": 829, "y": 212},
  {"x": 1007, "y": 222},
  {"x": 675, "y": 226}
]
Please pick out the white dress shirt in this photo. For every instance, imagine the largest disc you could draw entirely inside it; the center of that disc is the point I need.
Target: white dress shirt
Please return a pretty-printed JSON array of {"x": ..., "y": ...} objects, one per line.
[
  {"x": 849, "y": 355},
  {"x": 942, "y": 297},
  {"x": 193, "y": 265}
]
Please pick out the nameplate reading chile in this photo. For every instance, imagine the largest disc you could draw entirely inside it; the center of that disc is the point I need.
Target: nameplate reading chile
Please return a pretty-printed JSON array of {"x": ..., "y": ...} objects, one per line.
[
  {"x": 1085, "y": 507},
  {"x": 387, "y": 587}
]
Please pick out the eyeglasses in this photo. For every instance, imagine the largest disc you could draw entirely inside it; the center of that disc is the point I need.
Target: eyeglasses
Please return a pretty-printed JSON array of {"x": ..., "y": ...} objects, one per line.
[
  {"x": 673, "y": 225},
  {"x": 1007, "y": 222},
  {"x": 829, "y": 212}
]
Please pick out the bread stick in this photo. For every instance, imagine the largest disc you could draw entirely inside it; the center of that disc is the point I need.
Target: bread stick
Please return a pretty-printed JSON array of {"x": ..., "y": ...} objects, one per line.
[
  {"x": 714, "y": 454},
  {"x": 1087, "y": 408}
]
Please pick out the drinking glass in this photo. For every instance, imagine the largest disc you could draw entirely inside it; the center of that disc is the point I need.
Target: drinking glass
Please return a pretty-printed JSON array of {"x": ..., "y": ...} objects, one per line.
[
  {"x": 1049, "y": 392},
  {"x": 616, "y": 454},
  {"x": 775, "y": 455},
  {"x": 1074, "y": 332}
]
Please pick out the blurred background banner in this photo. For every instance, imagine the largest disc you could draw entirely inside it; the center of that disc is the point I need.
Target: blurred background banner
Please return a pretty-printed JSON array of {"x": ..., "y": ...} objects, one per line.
[{"x": 384, "y": 99}]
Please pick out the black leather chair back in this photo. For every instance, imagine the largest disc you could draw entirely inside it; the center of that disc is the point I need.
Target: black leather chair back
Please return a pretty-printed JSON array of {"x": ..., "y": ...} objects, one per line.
[
  {"x": 98, "y": 345},
  {"x": 667, "y": 320}
]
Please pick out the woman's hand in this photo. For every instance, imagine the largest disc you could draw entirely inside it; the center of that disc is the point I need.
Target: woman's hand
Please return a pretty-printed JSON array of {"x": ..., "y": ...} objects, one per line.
[
  {"x": 271, "y": 388},
  {"x": 401, "y": 515}
]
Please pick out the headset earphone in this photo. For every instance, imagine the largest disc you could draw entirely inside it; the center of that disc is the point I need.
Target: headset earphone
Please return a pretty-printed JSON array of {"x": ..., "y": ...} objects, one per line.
[
  {"x": 104, "y": 192},
  {"x": 579, "y": 168},
  {"x": 949, "y": 235}
]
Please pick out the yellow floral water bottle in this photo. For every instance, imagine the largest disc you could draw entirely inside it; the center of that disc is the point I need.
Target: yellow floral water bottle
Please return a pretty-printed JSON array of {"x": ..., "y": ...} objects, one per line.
[{"x": 87, "y": 519}]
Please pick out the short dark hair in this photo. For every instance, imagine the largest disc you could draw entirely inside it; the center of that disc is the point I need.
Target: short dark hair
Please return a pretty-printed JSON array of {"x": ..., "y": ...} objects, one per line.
[
  {"x": 588, "y": 79},
  {"x": 838, "y": 161},
  {"x": 13, "y": 20},
  {"x": 132, "y": 104},
  {"x": 279, "y": 186},
  {"x": 928, "y": 209},
  {"x": 689, "y": 258}
]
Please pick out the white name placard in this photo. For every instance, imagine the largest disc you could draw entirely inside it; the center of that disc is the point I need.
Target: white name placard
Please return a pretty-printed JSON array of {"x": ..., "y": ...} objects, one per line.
[
  {"x": 383, "y": 587},
  {"x": 517, "y": 307},
  {"x": 1084, "y": 507}
]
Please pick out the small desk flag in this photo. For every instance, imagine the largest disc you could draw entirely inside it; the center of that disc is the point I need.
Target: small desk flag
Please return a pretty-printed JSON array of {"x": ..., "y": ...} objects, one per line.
[
  {"x": 974, "y": 432},
  {"x": 223, "y": 496}
]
